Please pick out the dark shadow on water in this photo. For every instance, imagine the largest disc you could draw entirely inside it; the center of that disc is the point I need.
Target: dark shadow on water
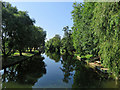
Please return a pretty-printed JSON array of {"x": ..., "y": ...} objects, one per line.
[
  {"x": 25, "y": 73},
  {"x": 85, "y": 77}
]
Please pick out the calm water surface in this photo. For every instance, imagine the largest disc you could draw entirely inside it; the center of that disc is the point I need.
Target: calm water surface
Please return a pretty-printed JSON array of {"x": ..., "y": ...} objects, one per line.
[
  {"x": 54, "y": 71},
  {"x": 54, "y": 75}
]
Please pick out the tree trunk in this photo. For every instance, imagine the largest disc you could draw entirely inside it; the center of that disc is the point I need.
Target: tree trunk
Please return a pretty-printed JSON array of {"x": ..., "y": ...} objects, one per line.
[
  {"x": 5, "y": 57},
  {"x": 30, "y": 50},
  {"x": 20, "y": 52},
  {"x": 39, "y": 51}
]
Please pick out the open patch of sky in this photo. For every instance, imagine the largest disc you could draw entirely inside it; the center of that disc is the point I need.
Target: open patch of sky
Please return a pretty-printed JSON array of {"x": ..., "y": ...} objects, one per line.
[{"x": 51, "y": 16}]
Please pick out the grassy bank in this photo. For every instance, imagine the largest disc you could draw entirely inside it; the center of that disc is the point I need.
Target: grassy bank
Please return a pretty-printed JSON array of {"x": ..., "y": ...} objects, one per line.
[{"x": 16, "y": 58}]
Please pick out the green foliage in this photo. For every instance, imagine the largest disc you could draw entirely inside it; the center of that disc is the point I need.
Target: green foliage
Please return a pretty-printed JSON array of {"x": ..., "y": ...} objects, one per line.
[
  {"x": 8, "y": 28},
  {"x": 19, "y": 32},
  {"x": 64, "y": 45},
  {"x": 25, "y": 78},
  {"x": 106, "y": 24},
  {"x": 96, "y": 31},
  {"x": 37, "y": 38},
  {"x": 83, "y": 39},
  {"x": 53, "y": 55},
  {"x": 82, "y": 79},
  {"x": 54, "y": 44},
  {"x": 68, "y": 67},
  {"x": 66, "y": 42}
]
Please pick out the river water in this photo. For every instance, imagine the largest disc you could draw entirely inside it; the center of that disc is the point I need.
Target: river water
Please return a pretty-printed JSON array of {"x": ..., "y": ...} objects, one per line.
[{"x": 54, "y": 71}]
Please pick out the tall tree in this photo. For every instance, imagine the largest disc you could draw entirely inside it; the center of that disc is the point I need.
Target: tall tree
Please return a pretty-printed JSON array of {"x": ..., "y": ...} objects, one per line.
[
  {"x": 106, "y": 24},
  {"x": 23, "y": 22},
  {"x": 19, "y": 32},
  {"x": 54, "y": 44},
  {"x": 96, "y": 31},
  {"x": 8, "y": 29},
  {"x": 66, "y": 42},
  {"x": 84, "y": 40}
]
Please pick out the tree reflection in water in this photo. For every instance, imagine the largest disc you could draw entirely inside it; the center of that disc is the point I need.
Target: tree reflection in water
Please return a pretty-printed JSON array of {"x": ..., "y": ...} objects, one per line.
[
  {"x": 68, "y": 67},
  {"x": 26, "y": 72},
  {"x": 67, "y": 61},
  {"x": 53, "y": 55},
  {"x": 85, "y": 77}
]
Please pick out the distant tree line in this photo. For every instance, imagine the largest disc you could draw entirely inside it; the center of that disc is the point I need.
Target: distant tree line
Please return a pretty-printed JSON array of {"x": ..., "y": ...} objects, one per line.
[
  {"x": 64, "y": 45},
  {"x": 19, "y": 32}
]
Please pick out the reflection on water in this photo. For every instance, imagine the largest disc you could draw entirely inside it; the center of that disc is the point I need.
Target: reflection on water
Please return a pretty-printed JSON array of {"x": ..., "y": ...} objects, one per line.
[
  {"x": 68, "y": 66},
  {"x": 85, "y": 77},
  {"x": 67, "y": 62},
  {"x": 55, "y": 71},
  {"x": 25, "y": 73},
  {"x": 54, "y": 55}
]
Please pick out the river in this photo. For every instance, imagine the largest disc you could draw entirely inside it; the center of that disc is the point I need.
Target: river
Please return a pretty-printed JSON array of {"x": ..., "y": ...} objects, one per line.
[{"x": 54, "y": 71}]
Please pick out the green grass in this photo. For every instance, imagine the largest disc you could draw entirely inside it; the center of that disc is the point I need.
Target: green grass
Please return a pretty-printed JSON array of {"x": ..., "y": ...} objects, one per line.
[
  {"x": 27, "y": 54},
  {"x": 16, "y": 85},
  {"x": 15, "y": 58},
  {"x": 16, "y": 53},
  {"x": 36, "y": 51},
  {"x": 24, "y": 54}
]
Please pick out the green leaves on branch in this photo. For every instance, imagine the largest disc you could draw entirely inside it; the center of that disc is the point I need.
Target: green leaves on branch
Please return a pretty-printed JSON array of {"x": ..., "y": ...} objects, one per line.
[
  {"x": 64, "y": 45},
  {"x": 96, "y": 31},
  {"x": 18, "y": 31},
  {"x": 54, "y": 44}
]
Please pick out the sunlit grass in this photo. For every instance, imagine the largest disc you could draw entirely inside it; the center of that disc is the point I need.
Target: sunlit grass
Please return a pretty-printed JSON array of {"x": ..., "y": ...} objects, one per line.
[
  {"x": 24, "y": 54},
  {"x": 27, "y": 54},
  {"x": 16, "y": 53},
  {"x": 16, "y": 57},
  {"x": 16, "y": 85}
]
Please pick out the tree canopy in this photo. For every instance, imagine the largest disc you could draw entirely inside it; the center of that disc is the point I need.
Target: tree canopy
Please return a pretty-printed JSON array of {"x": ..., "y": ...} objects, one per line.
[
  {"x": 18, "y": 31},
  {"x": 96, "y": 31}
]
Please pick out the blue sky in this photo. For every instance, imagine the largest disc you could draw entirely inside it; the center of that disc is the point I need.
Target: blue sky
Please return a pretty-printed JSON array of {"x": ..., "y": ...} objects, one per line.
[{"x": 51, "y": 16}]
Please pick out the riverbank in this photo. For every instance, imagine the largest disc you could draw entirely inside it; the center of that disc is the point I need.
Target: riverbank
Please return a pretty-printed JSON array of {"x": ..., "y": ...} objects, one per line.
[
  {"x": 95, "y": 65},
  {"x": 98, "y": 67},
  {"x": 15, "y": 59}
]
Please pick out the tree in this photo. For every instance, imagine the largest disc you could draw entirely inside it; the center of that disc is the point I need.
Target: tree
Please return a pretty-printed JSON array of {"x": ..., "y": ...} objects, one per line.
[
  {"x": 8, "y": 29},
  {"x": 96, "y": 31},
  {"x": 68, "y": 67},
  {"x": 19, "y": 32},
  {"x": 66, "y": 42},
  {"x": 84, "y": 40},
  {"x": 106, "y": 26},
  {"x": 54, "y": 44},
  {"x": 23, "y": 22}
]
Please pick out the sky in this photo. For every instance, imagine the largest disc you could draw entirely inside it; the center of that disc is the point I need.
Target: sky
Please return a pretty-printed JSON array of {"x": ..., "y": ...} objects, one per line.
[{"x": 51, "y": 16}]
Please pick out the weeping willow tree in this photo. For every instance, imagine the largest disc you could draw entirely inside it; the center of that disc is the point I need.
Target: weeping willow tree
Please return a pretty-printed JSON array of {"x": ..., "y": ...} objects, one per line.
[
  {"x": 106, "y": 23},
  {"x": 84, "y": 40},
  {"x": 96, "y": 31}
]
